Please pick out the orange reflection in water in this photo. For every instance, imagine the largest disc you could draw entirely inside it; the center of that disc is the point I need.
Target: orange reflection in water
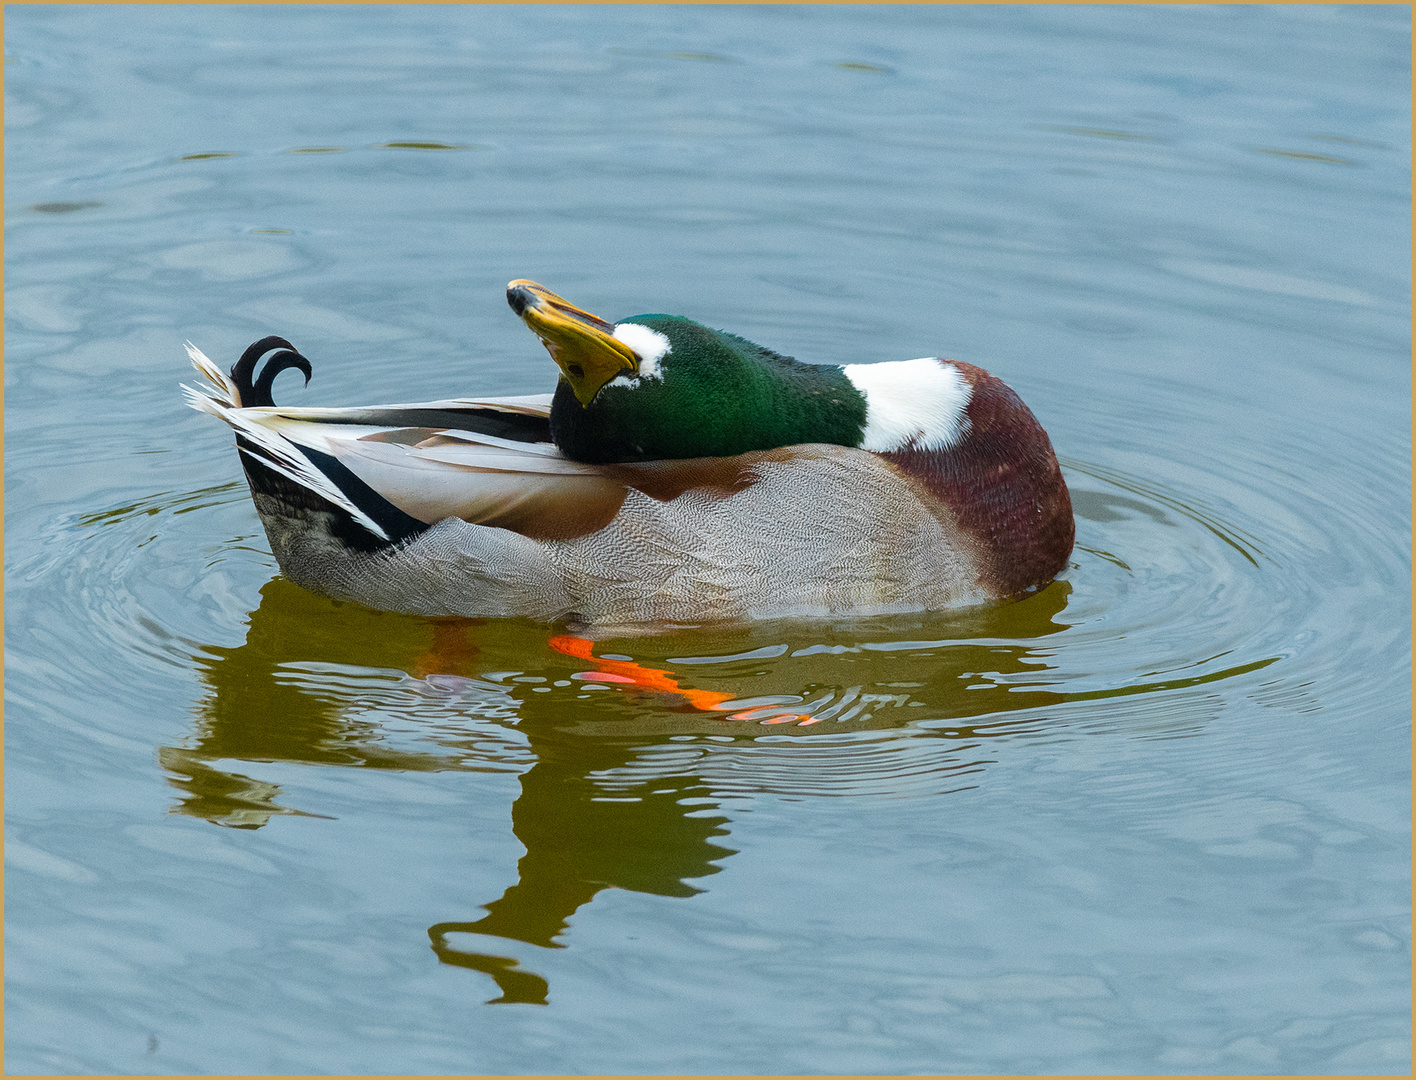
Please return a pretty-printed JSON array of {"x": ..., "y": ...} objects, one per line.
[{"x": 627, "y": 671}]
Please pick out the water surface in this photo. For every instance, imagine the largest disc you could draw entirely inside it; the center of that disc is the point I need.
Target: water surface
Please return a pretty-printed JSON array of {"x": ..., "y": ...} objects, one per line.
[{"x": 1154, "y": 818}]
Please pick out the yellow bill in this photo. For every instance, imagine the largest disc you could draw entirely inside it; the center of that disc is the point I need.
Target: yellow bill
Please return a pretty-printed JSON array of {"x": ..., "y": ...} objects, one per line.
[{"x": 582, "y": 345}]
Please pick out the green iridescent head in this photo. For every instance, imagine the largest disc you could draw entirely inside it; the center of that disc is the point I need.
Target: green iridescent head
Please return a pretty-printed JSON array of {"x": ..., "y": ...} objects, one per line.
[{"x": 655, "y": 387}]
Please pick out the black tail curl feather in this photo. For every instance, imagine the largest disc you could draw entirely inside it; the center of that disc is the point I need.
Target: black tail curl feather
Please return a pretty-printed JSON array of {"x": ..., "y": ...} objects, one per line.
[{"x": 259, "y": 391}]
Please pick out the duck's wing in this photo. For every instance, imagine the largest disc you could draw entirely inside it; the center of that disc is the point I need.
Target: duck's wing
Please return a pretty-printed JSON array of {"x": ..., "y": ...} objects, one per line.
[{"x": 394, "y": 470}]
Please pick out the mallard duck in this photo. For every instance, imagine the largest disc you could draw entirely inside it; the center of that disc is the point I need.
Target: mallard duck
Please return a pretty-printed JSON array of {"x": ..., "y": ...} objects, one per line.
[{"x": 678, "y": 474}]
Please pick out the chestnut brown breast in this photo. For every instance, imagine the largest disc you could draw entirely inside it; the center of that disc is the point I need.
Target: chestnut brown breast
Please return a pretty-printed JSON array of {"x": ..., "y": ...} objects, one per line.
[{"x": 1004, "y": 486}]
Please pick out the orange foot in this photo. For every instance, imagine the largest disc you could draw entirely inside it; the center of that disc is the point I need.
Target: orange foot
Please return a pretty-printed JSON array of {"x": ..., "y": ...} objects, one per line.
[{"x": 627, "y": 671}]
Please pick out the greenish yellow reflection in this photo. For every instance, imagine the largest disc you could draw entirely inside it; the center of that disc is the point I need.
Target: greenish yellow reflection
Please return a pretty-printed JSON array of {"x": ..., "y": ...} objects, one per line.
[
  {"x": 64, "y": 207},
  {"x": 429, "y": 146},
  {"x": 704, "y": 57},
  {"x": 1303, "y": 155},
  {"x": 1098, "y": 133}
]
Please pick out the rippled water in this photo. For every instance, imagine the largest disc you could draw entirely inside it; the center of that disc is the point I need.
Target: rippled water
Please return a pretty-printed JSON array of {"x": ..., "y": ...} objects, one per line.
[{"x": 1154, "y": 818}]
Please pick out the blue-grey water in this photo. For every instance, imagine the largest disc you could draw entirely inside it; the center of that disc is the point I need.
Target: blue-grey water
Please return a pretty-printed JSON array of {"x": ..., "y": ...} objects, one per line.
[{"x": 1154, "y": 818}]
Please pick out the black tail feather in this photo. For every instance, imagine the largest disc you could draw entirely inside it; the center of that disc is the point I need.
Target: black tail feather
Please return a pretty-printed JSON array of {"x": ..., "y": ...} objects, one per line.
[{"x": 259, "y": 391}]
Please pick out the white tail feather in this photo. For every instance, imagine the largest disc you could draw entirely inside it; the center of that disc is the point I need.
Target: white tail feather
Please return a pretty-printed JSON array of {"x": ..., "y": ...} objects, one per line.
[
  {"x": 276, "y": 452},
  {"x": 222, "y": 389}
]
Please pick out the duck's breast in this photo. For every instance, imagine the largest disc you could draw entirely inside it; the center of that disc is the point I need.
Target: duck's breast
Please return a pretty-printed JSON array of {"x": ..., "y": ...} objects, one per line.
[{"x": 1000, "y": 483}]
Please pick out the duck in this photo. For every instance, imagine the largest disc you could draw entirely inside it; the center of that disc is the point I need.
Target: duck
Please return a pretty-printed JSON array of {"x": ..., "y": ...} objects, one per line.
[{"x": 677, "y": 475}]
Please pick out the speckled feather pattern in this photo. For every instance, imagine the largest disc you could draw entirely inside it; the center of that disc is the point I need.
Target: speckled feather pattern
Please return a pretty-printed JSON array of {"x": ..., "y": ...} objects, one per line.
[{"x": 772, "y": 548}]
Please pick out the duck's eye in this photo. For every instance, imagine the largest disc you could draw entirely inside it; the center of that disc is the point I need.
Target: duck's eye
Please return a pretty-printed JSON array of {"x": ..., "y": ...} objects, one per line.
[{"x": 576, "y": 371}]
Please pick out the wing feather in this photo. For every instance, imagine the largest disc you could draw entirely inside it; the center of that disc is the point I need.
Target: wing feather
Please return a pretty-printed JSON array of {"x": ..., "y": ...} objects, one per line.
[
  {"x": 433, "y": 460},
  {"x": 539, "y": 496},
  {"x": 429, "y": 459}
]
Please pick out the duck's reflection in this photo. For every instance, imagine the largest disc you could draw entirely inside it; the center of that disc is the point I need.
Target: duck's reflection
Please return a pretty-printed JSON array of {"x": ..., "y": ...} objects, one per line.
[
  {"x": 576, "y": 845},
  {"x": 589, "y": 815}
]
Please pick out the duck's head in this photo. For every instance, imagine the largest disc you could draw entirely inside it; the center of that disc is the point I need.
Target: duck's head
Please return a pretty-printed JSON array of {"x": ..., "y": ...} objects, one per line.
[
  {"x": 592, "y": 352},
  {"x": 664, "y": 386}
]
